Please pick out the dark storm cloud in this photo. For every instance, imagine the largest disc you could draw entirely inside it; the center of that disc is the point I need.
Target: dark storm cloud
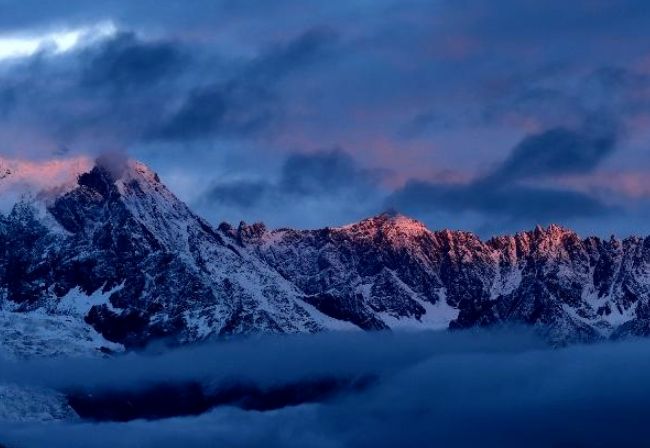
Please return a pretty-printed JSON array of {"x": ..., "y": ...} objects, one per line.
[
  {"x": 243, "y": 193},
  {"x": 100, "y": 97},
  {"x": 557, "y": 151},
  {"x": 307, "y": 48},
  {"x": 248, "y": 101},
  {"x": 527, "y": 205},
  {"x": 124, "y": 62},
  {"x": 125, "y": 89},
  {"x": 323, "y": 173},
  {"x": 220, "y": 110},
  {"x": 550, "y": 153},
  {"x": 431, "y": 387},
  {"x": 331, "y": 173},
  {"x": 409, "y": 86}
]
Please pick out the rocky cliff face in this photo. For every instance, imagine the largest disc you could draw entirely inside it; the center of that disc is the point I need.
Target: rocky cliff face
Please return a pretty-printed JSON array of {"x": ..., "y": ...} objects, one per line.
[
  {"x": 118, "y": 261},
  {"x": 390, "y": 271},
  {"x": 153, "y": 268}
]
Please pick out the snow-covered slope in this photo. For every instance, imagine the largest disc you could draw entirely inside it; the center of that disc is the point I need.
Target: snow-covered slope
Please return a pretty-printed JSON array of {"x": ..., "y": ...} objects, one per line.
[
  {"x": 32, "y": 404},
  {"x": 390, "y": 271},
  {"x": 163, "y": 272},
  {"x": 116, "y": 260}
]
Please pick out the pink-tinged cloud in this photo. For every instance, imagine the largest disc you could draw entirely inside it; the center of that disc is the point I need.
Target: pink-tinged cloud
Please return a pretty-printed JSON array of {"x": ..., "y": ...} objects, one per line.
[
  {"x": 28, "y": 176},
  {"x": 632, "y": 184}
]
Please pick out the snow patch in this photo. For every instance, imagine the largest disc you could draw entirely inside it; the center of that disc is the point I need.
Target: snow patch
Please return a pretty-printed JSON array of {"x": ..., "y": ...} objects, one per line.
[
  {"x": 78, "y": 303},
  {"x": 31, "y": 404},
  {"x": 40, "y": 334}
]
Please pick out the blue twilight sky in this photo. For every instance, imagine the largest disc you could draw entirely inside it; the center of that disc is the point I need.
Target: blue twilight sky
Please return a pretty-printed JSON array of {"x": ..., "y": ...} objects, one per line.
[{"x": 490, "y": 116}]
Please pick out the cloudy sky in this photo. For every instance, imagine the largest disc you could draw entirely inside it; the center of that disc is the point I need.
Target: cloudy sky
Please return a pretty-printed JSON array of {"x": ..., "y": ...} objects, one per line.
[{"x": 473, "y": 114}]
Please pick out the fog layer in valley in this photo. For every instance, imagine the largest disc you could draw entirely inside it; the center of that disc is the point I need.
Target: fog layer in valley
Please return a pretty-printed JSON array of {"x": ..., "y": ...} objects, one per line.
[{"x": 421, "y": 389}]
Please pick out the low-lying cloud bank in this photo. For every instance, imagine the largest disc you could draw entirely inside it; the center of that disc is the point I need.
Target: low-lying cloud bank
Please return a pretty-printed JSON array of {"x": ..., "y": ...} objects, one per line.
[{"x": 442, "y": 389}]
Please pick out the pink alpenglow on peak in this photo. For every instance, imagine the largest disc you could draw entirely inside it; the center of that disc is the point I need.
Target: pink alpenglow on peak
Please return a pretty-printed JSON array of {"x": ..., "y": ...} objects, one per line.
[
  {"x": 43, "y": 179},
  {"x": 41, "y": 175},
  {"x": 388, "y": 223}
]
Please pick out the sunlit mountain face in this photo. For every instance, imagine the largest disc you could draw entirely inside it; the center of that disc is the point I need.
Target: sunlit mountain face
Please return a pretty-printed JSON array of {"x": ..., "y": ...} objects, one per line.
[{"x": 342, "y": 223}]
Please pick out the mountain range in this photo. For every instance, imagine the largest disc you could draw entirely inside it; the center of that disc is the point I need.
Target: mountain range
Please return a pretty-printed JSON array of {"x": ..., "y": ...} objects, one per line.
[{"x": 116, "y": 261}]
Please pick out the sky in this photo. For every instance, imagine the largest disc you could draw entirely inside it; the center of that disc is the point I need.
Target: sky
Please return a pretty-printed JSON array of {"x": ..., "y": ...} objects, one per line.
[{"x": 478, "y": 115}]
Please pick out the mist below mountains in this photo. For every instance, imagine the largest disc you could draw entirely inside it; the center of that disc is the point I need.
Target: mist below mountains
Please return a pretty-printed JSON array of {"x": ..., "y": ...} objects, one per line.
[
  {"x": 487, "y": 389},
  {"x": 126, "y": 317}
]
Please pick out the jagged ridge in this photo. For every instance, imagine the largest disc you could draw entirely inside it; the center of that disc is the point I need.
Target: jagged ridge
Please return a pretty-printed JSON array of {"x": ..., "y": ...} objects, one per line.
[
  {"x": 121, "y": 260},
  {"x": 390, "y": 270}
]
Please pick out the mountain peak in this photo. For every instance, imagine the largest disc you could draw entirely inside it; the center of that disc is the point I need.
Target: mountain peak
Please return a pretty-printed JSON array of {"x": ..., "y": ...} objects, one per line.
[
  {"x": 182, "y": 278},
  {"x": 144, "y": 172},
  {"x": 109, "y": 179},
  {"x": 553, "y": 231},
  {"x": 125, "y": 170},
  {"x": 389, "y": 224},
  {"x": 394, "y": 219},
  {"x": 99, "y": 180}
]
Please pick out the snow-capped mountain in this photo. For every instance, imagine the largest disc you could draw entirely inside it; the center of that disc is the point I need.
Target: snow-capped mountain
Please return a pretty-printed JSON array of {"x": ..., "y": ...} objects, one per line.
[
  {"x": 390, "y": 271},
  {"x": 124, "y": 255},
  {"x": 118, "y": 261}
]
